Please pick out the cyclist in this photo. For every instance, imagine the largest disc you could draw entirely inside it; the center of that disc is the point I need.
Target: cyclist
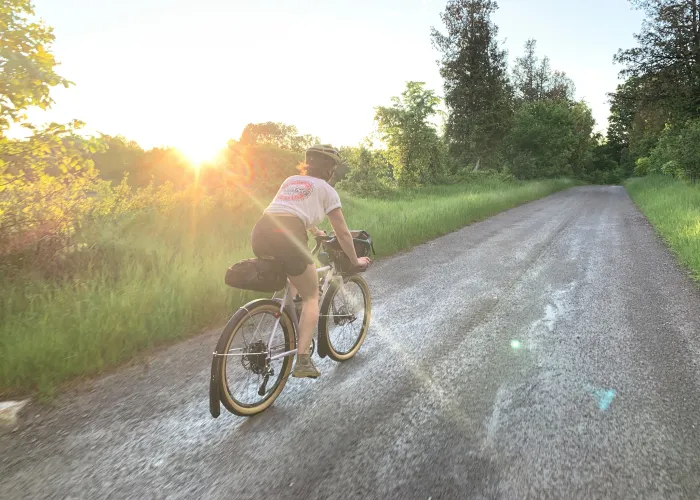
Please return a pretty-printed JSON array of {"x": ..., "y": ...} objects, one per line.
[{"x": 301, "y": 203}]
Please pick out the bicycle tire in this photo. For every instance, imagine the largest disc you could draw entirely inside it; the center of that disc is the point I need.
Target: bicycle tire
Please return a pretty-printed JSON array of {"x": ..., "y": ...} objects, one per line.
[
  {"x": 329, "y": 349},
  {"x": 219, "y": 387}
]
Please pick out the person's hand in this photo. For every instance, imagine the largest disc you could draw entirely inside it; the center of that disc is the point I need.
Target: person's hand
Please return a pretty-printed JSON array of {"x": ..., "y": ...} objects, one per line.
[{"x": 363, "y": 262}]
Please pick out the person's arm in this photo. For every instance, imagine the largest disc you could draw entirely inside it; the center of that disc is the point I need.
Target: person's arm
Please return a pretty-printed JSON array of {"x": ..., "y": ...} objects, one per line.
[{"x": 343, "y": 234}]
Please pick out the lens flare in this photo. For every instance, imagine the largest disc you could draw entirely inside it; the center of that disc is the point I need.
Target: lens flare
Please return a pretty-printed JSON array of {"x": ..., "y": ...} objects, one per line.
[
  {"x": 515, "y": 344},
  {"x": 241, "y": 171}
]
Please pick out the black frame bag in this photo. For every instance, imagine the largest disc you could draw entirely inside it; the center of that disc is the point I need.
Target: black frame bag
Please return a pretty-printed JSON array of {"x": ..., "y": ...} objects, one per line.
[{"x": 257, "y": 275}]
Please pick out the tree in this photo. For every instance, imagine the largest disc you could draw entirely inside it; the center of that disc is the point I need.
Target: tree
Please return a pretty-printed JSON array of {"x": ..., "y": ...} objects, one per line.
[
  {"x": 413, "y": 146},
  {"x": 277, "y": 134},
  {"x": 583, "y": 142},
  {"x": 561, "y": 87},
  {"x": 533, "y": 79},
  {"x": 162, "y": 165},
  {"x": 368, "y": 173},
  {"x": 603, "y": 166},
  {"x": 637, "y": 119},
  {"x": 474, "y": 69},
  {"x": 119, "y": 156},
  {"x": 45, "y": 181},
  {"x": 661, "y": 91},
  {"x": 677, "y": 152},
  {"x": 524, "y": 74},
  {"x": 257, "y": 168},
  {"x": 549, "y": 139},
  {"x": 26, "y": 63},
  {"x": 667, "y": 58}
]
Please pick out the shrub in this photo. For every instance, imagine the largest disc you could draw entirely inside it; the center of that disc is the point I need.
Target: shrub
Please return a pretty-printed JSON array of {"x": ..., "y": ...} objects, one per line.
[{"x": 641, "y": 166}]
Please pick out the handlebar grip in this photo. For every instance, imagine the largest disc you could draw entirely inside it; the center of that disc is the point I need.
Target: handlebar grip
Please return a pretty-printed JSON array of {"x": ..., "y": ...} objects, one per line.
[{"x": 358, "y": 269}]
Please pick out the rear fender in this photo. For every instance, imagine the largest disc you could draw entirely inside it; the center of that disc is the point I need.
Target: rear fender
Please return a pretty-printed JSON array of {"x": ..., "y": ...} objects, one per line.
[{"x": 217, "y": 361}]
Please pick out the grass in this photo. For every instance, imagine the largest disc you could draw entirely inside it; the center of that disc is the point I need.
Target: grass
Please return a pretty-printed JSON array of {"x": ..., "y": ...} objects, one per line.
[
  {"x": 673, "y": 208},
  {"x": 156, "y": 278}
]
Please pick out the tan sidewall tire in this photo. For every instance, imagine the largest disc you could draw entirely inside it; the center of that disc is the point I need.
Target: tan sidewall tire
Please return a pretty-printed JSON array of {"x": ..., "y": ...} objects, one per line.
[
  {"x": 227, "y": 400},
  {"x": 335, "y": 356}
]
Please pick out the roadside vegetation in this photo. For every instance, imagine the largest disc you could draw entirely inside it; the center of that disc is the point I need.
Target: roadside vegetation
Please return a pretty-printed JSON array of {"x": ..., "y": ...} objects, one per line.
[
  {"x": 673, "y": 207},
  {"x": 157, "y": 275}
]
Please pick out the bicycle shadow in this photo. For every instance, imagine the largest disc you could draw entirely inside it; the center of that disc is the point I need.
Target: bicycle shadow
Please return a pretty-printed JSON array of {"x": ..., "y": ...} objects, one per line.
[
  {"x": 339, "y": 371},
  {"x": 280, "y": 413},
  {"x": 262, "y": 422}
]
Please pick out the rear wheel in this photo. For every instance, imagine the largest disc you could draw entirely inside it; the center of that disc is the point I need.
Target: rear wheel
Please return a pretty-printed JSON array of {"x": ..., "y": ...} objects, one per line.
[
  {"x": 249, "y": 382},
  {"x": 345, "y": 315}
]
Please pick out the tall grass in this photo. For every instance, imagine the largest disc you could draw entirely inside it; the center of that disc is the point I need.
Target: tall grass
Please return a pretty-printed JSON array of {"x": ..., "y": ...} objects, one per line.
[
  {"x": 154, "y": 278},
  {"x": 673, "y": 207}
]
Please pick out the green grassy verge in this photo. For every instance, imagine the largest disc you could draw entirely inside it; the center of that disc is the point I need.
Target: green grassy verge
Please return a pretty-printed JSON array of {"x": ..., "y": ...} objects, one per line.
[
  {"x": 673, "y": 207},
  {"x": 157, "y": 279}
]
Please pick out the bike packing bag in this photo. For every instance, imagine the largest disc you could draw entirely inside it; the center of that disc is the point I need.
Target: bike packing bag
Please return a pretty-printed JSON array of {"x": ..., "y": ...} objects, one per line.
[
  {"x": 257, "y": 275},
  {"x": 363, "y": 247}
]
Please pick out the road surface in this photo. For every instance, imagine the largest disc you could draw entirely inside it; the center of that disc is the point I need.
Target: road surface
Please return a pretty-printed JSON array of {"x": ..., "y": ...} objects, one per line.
[{"x": 549, "y": 352}]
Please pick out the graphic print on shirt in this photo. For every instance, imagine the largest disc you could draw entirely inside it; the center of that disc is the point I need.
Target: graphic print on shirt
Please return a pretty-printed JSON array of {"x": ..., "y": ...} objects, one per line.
[{"x": 295, "y": 190}]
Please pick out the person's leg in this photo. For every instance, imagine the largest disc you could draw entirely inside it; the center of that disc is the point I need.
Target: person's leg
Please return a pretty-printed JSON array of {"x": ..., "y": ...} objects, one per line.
[
  {"x": 307, "y": 286},
  {"x": 285, "y": 239}
]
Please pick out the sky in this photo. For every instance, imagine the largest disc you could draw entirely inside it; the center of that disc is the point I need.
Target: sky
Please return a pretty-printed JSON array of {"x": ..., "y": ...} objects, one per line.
[{"x": 193, "y": 74}]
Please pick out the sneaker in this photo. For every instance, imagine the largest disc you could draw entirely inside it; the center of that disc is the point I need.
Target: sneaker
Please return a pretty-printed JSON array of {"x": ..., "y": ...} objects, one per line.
[{"x": 304, "y": 367}]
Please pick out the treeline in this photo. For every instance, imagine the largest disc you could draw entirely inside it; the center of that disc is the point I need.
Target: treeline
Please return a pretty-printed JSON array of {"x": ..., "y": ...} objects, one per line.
[
  {"x": 523, "y": 123},
  {"x": 119, "y": 156},
  {"x": 655, "y": 113}
]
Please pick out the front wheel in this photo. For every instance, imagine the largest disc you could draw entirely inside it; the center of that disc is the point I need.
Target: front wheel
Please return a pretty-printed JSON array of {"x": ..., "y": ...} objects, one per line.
[{"x": 344, "y": 317}]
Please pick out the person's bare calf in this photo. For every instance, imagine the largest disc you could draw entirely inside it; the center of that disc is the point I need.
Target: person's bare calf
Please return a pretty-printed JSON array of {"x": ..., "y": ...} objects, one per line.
[{"x": 307, "y": 287}]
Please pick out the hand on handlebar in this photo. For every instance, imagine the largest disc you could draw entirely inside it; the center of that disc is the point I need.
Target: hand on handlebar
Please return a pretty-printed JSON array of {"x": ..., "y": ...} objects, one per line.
[
  {"x": 323, "y": 237},
  {"x": 364, "y": 263}
]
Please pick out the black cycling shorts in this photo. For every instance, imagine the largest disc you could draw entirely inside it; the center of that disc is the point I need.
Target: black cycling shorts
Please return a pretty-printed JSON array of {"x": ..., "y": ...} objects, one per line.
[{"x": 285, "y": 239}]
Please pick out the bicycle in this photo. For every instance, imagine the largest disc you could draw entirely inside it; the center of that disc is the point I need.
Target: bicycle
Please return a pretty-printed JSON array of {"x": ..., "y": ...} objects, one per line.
[{"x": 265, "y": 360}]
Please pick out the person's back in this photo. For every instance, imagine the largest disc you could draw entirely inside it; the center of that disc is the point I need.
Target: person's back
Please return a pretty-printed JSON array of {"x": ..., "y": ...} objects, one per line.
[{"x": 307, "y": 197}]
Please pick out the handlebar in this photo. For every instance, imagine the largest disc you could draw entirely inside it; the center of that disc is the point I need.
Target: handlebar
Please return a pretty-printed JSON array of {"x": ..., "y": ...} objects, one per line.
[
  {"x": 319, "y": 240},
  {"x": 331, "y": 237}
]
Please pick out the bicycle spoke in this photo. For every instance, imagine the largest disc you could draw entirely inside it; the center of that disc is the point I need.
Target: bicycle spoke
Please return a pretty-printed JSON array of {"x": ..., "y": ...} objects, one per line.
[{"x": 347, "y": 313}]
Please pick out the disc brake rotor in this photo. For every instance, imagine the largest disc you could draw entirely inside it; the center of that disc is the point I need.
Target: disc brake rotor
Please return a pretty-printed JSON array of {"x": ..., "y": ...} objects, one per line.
[{"x": 255, "y": 359}]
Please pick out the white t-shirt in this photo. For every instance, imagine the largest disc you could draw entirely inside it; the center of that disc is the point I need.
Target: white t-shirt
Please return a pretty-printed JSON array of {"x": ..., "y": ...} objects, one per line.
[{"x": 309, "y": 198}]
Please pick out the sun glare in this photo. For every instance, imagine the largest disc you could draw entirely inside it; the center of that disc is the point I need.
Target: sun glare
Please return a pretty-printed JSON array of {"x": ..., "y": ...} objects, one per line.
[{"x": 199, "y": 153}]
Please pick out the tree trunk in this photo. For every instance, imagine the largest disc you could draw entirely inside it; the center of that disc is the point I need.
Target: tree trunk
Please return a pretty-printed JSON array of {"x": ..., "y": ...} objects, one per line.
[{"x": 695, "y": 50}]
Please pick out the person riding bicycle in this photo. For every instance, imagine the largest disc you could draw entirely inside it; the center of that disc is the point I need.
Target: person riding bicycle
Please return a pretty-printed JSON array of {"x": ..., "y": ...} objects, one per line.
[{"x": 301, "y": 203}]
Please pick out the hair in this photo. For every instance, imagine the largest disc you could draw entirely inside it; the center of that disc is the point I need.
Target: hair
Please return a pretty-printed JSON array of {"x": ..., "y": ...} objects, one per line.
[{"x": 317, "y": 165}]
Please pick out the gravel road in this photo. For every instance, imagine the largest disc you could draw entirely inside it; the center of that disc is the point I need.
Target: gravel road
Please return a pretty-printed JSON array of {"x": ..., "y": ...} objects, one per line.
[{"x": 548, "y": 352}]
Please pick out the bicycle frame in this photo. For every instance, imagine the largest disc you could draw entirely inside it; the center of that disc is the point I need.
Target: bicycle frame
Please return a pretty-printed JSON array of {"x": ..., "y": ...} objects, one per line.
[{"x": 287, "y": 300}]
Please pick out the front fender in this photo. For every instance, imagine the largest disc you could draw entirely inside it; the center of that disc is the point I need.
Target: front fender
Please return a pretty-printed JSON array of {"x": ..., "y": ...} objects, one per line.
[{"x": 323, "y": 319}]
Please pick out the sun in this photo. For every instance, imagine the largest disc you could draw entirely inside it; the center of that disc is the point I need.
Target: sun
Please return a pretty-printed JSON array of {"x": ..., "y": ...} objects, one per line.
[{"x": 199, "y": 153}]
